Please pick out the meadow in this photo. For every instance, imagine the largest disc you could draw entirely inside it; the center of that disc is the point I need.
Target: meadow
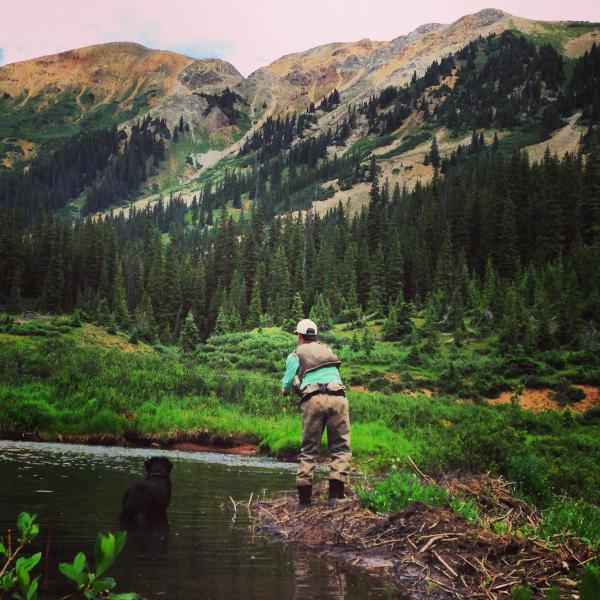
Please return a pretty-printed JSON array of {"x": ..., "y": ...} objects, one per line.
[{"x": 61, "y": 377}]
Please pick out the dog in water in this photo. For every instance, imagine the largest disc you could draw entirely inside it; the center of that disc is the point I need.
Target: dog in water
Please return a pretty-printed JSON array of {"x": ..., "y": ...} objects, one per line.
[{"x": 145, "y": 503}]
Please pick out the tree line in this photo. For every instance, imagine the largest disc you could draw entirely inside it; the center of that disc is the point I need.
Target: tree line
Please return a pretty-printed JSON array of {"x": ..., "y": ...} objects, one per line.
[{"x": 502, "y": 243}]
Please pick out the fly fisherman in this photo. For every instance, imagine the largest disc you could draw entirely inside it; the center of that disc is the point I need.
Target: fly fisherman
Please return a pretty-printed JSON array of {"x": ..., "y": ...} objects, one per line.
[{"x": 313, "y": 371}]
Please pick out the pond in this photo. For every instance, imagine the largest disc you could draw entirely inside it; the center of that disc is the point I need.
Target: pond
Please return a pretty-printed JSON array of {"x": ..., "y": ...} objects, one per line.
[{"x": 208, "y": 552}]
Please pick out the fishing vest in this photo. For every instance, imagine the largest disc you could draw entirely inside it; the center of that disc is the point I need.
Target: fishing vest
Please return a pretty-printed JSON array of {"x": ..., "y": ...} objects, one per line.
[{"x": 313, "y": 356}]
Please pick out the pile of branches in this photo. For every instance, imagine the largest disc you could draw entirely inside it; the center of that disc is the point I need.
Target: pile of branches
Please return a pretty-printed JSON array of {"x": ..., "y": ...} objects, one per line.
[{"x": 428, "y": 551}]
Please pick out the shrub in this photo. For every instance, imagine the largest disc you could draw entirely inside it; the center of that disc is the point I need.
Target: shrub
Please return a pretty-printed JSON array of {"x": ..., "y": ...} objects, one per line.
[{"x": 530, "y": 475}]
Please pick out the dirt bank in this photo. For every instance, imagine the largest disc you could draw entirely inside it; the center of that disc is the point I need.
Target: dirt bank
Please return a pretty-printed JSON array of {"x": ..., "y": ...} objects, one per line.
[
  {"x": 242, "y": 445},
  {"x": 428, "y": 552}
]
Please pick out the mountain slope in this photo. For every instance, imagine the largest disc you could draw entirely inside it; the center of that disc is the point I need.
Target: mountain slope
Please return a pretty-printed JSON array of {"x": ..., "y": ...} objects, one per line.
[
  {"x": 50, "y": 98},
  {"x": 356, "y": 69},
  {"x": 54, "y": 96}
]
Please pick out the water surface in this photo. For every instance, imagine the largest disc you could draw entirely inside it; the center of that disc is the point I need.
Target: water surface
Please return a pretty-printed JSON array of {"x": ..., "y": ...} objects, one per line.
[{"x": 208, "y": 552}]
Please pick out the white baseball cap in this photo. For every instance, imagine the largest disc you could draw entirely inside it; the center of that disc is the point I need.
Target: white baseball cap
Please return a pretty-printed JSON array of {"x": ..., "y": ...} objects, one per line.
[{"x": 306, "y": 327}]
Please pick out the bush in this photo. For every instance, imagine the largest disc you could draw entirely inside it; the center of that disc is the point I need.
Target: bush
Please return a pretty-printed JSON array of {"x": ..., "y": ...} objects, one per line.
[{"x": 529, "y": 473}]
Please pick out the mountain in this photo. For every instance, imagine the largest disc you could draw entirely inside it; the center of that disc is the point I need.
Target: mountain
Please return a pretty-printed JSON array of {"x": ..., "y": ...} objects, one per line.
[
  {"x": 356, "y": 69},
  {"x": 53, "y": 98},
  {"x": 48, "y": 98}
]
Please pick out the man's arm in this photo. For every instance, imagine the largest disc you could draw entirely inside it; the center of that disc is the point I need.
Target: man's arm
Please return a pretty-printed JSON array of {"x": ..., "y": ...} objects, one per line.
[{"x": 291, "y": 366}]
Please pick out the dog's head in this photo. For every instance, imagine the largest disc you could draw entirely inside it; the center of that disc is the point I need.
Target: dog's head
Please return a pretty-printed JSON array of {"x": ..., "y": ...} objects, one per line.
[{"x": 159, "y": 465}]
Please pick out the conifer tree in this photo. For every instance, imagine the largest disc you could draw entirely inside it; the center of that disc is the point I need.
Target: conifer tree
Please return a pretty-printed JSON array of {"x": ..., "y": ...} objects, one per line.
[
  {"x": 321, "y": 313},
  {"x": 434, "y": 153},
  {"x": 279, "y": 285},
  {"x": 255, "y": 310},
  {"x": 190, "y": 336},
  {"x": 367, "y": 343},
  {"x": 222, "y": 322},
  {"x": 103, "y": 314},
  {"x": 398, "y": 323},
  {"x": 120, "y": 308},
  {"x": 145, "y": 324},
  {"x": 297, "y": 312}
]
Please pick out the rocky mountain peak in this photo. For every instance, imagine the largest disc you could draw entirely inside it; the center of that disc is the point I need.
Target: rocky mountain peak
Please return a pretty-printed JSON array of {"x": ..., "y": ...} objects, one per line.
[{"x": 488, "y": 16}]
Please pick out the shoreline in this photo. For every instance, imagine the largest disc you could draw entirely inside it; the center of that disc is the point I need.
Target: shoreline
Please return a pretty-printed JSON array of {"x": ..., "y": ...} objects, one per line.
[
  {"x": 428, "y": 552},
  {"x": 239, "y": 445}
]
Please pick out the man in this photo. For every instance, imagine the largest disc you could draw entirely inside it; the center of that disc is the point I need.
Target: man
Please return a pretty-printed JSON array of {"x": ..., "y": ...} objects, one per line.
[{"x": 313, "y": 370}]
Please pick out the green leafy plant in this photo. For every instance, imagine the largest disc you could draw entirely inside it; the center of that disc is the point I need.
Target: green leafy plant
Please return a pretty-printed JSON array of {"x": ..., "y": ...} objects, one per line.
[
  {"x": 90, "y": 582},
  {"x": 589, "y": 588},
  {"x": 467, "y": 508},
  {"x": 16, "y": 572},
  {"x": 522, "y": 592},
  {"x": 398, "y": 490}
]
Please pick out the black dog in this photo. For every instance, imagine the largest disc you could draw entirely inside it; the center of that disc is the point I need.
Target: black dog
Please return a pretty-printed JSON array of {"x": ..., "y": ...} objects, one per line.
[{"x": 145, "y": 503}]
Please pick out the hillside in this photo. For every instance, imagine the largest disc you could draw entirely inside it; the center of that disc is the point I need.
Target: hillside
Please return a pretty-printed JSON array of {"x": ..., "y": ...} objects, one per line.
[{"x": 51, "y": 97}]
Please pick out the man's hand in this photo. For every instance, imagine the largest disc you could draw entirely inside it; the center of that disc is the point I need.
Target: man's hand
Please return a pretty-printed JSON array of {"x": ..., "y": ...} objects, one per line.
[{"x": 285, "y": 392}]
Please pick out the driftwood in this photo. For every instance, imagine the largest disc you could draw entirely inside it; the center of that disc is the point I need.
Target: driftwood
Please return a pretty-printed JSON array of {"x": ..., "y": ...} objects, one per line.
[{"x": 432, "y": 551}]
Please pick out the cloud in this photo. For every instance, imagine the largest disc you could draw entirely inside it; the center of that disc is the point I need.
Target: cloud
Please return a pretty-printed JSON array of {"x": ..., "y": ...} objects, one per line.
[{"x": 248, "y": 35}]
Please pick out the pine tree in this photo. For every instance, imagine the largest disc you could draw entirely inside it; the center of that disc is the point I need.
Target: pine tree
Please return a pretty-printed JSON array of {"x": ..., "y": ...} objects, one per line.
[
  {"x": 444, "y": 271},
  {"x": 103, "y": 314},
  {"x": 398, "y": 323},
  {"x": 321, "y": 313},
  {"x": 52, "y": 293},
  {"x": 222, "y": 323},
  {"x": 145, "y": 324},
  {"x": 280, "y": 287},
  {"x": 120, "y": 308},
  {"x": 190, "y": 336},
  {"x": 355, "y": 344},
  {"x": 434, "y": 153},
  {"x": 297, "y": 312},
  {"x": 255, "y": 310},
  {"x": 367, "y": 343},
  {"x": 590, "y": 204}
]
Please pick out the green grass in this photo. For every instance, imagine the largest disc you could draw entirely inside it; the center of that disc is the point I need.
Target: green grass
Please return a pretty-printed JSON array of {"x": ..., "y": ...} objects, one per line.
[
  {"x": 399, "y": 489},
  {"x": 409, "y": 142},
  {"x": 566, "y": 518},
  {"x": 558, "y": 34},
  {"x": 47, "y": 123},
  {"x": 364, "y": 146},
  {"x": 526, "y": 135},
  {"x": 59, "y": 379}
]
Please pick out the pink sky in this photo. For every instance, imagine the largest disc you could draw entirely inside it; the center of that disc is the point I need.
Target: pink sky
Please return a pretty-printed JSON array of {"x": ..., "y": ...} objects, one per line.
[{"x": 247, "y": 33}]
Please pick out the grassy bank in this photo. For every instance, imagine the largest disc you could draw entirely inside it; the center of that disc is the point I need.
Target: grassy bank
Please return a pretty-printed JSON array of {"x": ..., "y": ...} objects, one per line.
[{"x": 59, "y": 379}]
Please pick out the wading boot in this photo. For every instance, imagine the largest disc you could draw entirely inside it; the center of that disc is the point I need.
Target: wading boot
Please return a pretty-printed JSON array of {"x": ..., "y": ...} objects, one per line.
[
  {"x": 304, "y": 494},
  {"x": 336, "y": 491}
]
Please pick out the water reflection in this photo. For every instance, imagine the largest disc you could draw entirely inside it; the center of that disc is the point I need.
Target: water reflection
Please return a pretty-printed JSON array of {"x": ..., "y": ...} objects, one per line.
[
  {"x": 335, "y": 582},
  {"x": 202, "y": 554}
]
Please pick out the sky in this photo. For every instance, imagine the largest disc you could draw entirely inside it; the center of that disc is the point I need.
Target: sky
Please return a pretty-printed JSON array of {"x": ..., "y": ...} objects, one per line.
[{"x": 248, "y": 33}]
